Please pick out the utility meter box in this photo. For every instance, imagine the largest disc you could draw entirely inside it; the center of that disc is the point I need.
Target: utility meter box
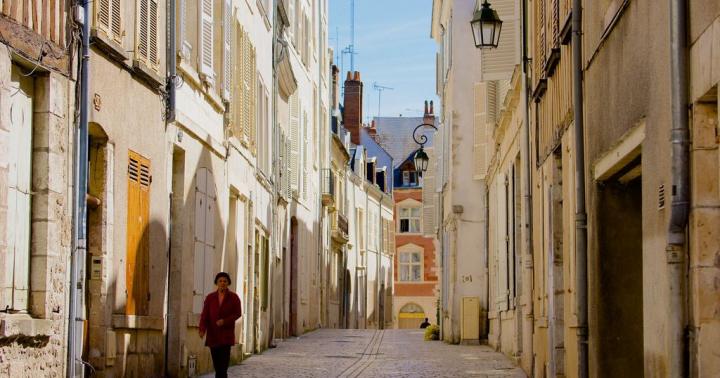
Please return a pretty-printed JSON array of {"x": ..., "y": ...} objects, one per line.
[{"x": 470, "y": 330}]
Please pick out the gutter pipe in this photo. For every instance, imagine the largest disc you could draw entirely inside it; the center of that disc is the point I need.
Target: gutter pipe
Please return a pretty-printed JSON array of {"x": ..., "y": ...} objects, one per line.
[
  {"x": 526, "y": 187},
  {"x": 171, "y": 64},
  {"x": 78, "y": 258},
  {"x": 681, "y": 188},
  {"x": 580, "y": 210}
]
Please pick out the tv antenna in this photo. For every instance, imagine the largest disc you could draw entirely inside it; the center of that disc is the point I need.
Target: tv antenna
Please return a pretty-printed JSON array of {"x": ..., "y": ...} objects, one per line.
[{"x": 380, "y": 89}]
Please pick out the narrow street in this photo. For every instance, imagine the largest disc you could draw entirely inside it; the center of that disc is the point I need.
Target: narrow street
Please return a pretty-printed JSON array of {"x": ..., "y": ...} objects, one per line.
[{"x": 371, "y": 353}]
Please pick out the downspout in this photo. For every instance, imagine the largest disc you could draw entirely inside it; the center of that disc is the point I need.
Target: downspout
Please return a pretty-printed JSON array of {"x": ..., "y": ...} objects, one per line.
[
  {"x": 681, "y": 188},
  {"x": 580, "y": 210},
  {"x": 526, "y": 309},
  {"x": 275, "y": 247},
  {"x": 169, "y": 118},
  {"x": 76, "y": 315}
]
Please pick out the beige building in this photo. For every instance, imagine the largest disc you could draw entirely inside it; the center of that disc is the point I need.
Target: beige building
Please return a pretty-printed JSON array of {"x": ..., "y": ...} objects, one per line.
[
  {"x": 648, "y": 313},
  {"x": 461, "y": 177},
  {"x": 37, "y": 134}
]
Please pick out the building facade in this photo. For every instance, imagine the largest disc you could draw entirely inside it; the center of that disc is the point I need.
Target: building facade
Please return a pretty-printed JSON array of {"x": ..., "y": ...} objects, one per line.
[
  {"x": 461, "y": 177},
  {"x": 37, "y": 138},
  {"x": 416, "y": 263},
  {"x": 642, "y": 179}
]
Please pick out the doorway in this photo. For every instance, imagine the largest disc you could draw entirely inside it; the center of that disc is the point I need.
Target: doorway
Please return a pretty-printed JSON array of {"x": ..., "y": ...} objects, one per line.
[
  {"x": 293, "y": 278},
  {"x": 620, "y": 276}
]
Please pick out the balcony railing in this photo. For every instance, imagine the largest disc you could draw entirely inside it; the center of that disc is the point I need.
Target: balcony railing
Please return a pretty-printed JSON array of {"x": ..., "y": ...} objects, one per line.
[
  {"x": 340, "y": 227},
  {"x": 328, "y": 187}
]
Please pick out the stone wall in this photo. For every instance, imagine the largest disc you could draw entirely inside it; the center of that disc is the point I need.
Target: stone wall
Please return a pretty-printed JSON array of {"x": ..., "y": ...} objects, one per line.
[{"x": 33, "y": 343}]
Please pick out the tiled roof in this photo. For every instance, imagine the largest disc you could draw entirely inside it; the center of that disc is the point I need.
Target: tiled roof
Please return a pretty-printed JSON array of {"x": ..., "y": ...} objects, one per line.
[{"x": 394, "y": 134}]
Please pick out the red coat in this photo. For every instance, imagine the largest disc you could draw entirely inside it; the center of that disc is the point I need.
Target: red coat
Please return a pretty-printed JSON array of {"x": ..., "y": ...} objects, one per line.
[{"x": 229, "y": 311}]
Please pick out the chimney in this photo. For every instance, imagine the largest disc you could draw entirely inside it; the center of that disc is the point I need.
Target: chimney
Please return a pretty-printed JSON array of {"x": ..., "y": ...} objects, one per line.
[
  {"x": 429, "y": 116},
  {"x": 353, "y": 105}
]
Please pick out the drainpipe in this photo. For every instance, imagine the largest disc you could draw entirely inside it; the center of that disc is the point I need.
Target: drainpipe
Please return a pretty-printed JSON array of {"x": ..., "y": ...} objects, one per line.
[
  {"x": 526, "y": 195},
  {"x": 580, "y": 211},
  {"x": 169, "y": 118},
  {"x": 171, "y": 57},
  {"x": 77, "y": 262},
  {"x": 681, "y": 187}
]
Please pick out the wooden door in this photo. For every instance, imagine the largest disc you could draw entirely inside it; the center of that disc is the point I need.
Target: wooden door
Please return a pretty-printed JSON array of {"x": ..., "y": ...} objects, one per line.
[{"x": 137, "y": 268}]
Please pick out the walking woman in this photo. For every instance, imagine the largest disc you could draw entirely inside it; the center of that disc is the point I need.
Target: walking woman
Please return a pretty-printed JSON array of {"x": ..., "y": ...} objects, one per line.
[{"x": 220, "y": 311}]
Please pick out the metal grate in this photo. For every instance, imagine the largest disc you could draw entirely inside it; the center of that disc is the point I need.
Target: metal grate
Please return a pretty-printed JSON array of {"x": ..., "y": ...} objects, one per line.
[{"x": 661, "y": 197}]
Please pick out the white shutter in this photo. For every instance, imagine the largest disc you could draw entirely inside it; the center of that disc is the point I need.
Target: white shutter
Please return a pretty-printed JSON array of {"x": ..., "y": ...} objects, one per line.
[
  {"x": 116, "y": 20},
  {"x": 19, "y": 185},
  {"x": 199, "y": 252},
  {"x": 210, "y": 214},
  {"x": 499, "y": 63},
  {"x": 102, "y": 15},
  {"x": 153, "y": 20},
  {"x": 206, "y": 37},
  {"x": 304, "y": 151},
  {"x": 481, "y": 143},
  {"x": 294, "y": 141},
  {"x": 143, "y": 30},
  {"x": 227, "y": 51}
]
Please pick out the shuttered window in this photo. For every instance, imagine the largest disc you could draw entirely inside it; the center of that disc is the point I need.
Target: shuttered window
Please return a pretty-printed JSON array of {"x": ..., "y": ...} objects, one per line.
[
  {"x": 540, "y": 45},
  {"x": 206, "y": 38},
  {"x": 137, "y": 267},
  {"x": 15, "y": 282},
  {"x": 245, "y": 90},
  {"x": 227, "y": 51},
  {"x": 107, "y": 18},
  {"x": 204, "y": 252},
  {"x": 147, "y": 36},
  {"x": 499, "y": 63},
  {"x": 294, "y": 141}
]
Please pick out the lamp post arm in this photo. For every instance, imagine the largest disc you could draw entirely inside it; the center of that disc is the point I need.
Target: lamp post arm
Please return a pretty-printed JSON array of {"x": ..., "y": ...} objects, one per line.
[{"x": 422, "y": 139}]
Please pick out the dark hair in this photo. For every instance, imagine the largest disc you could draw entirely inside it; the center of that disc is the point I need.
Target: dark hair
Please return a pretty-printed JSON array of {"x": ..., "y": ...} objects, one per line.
[{"x": 222, "y": 274}]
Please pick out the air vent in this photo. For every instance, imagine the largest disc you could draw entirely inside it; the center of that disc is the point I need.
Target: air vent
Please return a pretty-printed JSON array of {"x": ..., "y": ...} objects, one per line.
[{"x": 661, "y": 197}]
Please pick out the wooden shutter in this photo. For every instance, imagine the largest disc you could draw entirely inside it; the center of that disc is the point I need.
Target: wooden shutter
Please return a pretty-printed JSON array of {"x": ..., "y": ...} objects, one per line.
[
  {"x": 103, "y": 15},
  {"x": 107, "y": 18},
  {"x": 294, "y": 141},
  {"x": 237, "y": 102},
  {"x": 499, "y": 63},
  {"x": 227, "y": 52},
  {"x": 204, "y": 253},
  {"x": 19, "y": 184},
  {"x": 147, "y": 43},
  {"x": 253, "y": 95},
  {"x": 304, "y": 148},
  {"x": 137, "y": 268},
  {"x": 206, "y": 37},
  {"x": 539, "y": 58}
]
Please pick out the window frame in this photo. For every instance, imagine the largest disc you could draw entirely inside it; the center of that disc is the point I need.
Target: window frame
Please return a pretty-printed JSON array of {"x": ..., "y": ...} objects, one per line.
[
  {"x": 410, "y": 264},
  {"x": 409, "y": 218}
]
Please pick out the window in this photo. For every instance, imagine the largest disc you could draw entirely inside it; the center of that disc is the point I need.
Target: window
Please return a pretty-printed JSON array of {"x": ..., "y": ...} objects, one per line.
[
  {"x": 409, "y": 178},
  {"x": 147, "y": 37},
  {"x": 245, "y": 91},
  {"x": 410, "y": 264},
  {"x": 15, "y": 288},
  {"x": 108, "y": 20},
  {"x": 263, "y": 130},
  {"x": 204, "y": 253},
  {"x": 137, "y": 268},
  {"x": 410, "y": 220},
  {"x": 206, "y": 38}
]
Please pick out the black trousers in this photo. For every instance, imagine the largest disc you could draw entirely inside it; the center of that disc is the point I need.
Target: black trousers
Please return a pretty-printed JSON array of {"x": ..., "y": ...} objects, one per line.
[{"x": 221, "y": 360}]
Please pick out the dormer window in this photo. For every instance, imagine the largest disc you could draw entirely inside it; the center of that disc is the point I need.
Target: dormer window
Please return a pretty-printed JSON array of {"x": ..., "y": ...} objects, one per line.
[{"x": 410, "y": 178}]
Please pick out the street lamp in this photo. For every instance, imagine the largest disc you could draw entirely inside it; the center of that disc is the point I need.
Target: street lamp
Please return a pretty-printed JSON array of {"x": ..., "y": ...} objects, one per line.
[
  {"x": 421, "y": 157},
  {"x": 486, "y": 27}
]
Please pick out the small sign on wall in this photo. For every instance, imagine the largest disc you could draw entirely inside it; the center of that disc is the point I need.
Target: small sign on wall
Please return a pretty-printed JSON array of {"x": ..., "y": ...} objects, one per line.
[{"x": 96, "y": 268}]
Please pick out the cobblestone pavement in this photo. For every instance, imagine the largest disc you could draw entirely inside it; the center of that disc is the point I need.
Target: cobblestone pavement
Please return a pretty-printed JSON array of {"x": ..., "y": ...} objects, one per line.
[{"x": 371, "y": 353}]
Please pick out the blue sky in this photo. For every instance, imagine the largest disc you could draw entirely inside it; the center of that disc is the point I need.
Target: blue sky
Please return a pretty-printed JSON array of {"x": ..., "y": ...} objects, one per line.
[{"x": 392, "y": 39}]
